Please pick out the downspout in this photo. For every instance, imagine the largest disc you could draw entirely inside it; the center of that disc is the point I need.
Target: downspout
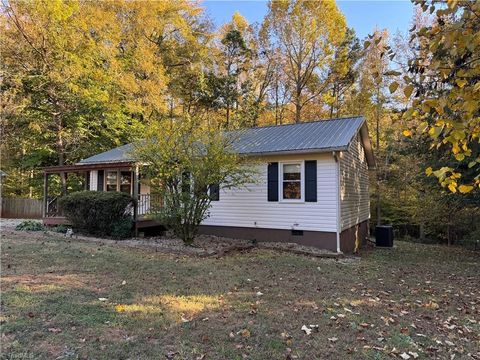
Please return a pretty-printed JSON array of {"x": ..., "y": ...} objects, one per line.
[{"x": 337, "y": 185}]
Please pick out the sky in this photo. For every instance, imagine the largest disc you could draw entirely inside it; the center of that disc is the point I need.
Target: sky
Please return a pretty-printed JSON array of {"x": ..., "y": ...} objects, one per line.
[{"x": 362, "y": 15}]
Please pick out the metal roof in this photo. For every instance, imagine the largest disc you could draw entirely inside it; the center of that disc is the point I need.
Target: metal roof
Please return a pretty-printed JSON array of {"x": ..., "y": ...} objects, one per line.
[
  {"x": 315, "y": 136},
  {"x": 119, "y": 154},
  {"x": 323, "y": 135}
]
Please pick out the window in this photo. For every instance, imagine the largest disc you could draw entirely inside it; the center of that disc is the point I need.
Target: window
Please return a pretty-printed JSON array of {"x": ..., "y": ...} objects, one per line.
[
  {"x": 118, "y": 181},
  {"x": 291, "y": 177},
  {"x": 125, "y": 181},
  {"x": 111, "y": 181}
]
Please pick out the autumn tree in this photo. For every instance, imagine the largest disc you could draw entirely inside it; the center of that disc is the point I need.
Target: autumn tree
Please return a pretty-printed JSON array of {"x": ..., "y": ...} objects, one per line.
[
  {"x": 373, "y": 98},
  {"x": 80, "y": 80},
  {"x": 189, "y": 164},
  {"x": 444, "y": 91},
  {"x": 306, "y": 33}
]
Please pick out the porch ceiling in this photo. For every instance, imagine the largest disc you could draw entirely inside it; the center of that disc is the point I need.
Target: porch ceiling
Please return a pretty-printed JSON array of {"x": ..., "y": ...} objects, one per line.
[{"x": 86, "y": 167}]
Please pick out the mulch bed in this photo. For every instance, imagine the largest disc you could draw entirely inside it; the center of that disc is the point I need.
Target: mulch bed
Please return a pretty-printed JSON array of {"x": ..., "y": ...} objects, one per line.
[{"x": 204, "y": 245}]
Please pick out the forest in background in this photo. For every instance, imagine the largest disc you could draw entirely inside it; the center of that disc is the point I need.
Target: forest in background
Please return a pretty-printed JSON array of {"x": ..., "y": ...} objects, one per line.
[{"x": 82, "y": 77}]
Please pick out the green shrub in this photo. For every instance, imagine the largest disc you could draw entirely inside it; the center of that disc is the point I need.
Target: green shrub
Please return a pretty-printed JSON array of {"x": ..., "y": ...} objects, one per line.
[
  {"x": 29, "y": 225},
  {"x": 122, "y": 228},
  {"x": 60, "y": 229},
  {"x": 99, "y": 213}
]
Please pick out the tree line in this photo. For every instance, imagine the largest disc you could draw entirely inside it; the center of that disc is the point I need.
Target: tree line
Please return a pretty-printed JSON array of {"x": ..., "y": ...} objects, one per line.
[{"x": 81, "y": 77}]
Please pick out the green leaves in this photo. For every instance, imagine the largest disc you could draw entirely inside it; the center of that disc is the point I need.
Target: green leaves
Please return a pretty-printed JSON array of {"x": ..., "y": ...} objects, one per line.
[{"x": 184, "y": 158}]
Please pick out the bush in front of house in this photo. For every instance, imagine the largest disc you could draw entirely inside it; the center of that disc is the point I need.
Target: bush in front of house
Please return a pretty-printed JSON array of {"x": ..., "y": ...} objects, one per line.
[
  {"x": 100, "y": 213},
  {"x": 29, "y": 225}
]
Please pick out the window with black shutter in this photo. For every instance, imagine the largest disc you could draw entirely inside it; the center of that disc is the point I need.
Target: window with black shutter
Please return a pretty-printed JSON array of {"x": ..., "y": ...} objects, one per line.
[{"x": 214, "y": 192}]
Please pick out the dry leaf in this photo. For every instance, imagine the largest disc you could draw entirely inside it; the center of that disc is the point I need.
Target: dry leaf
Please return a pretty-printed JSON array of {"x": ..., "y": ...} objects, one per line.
[
  {"x": 244, "y": 333},
  {"x": 307, "y": 330}
]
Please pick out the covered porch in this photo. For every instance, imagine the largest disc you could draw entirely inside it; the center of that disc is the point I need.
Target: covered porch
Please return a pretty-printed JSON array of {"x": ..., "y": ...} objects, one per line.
[{"x": 118, "y": 176}]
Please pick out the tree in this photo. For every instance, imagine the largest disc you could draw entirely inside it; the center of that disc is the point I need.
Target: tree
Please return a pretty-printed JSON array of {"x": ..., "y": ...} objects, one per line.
[
  {"x": 81, "y": 77},
  {"x": 373, "y": 96},
  {"x": 306, "y": 33},
  {"x": 187, "y": 163},
  {"x": 227, "y": 83},
  {"x": 444, "y": 91},
  {"x": 343, "y": 72}
]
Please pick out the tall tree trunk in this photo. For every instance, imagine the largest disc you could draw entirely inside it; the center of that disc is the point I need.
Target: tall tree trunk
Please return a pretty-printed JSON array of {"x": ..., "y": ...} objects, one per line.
[
  {"x": 298, "y": 102},
  {"x": 276, "y": 102},
  {"x": 298, "y": 111}
]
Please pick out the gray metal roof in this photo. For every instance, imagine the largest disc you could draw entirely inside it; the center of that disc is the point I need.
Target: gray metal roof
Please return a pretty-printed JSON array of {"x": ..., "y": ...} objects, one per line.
[
  {"x": 315, "y": 136},
  {"x": 119, "y": 154}
]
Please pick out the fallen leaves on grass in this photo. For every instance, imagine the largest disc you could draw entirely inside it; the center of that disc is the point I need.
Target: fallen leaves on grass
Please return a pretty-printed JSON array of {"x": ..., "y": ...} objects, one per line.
[
  {"x": 245, "y": 333},
  {"x": 308, "y": 329},
  {"x": 120, "y": 308},
  {"x": 432, "y": 305}
]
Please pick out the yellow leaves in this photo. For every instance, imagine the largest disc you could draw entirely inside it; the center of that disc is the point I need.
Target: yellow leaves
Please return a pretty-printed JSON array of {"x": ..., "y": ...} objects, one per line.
[
  {"x": 393, "y": 87},
  {"x": 429, "y": 171},
  {"x": 408, "y": 91},
  {"x": 435, "y": 131},
  {"x": 407, "y": 133},
  {"x": 460, "y": 82},
  {"x": 245, "y": 333},
  {"x": 464, "y": 189},
  {"x": 455, "y": 149},
  {"x": 452, "y": 186},
  {"x": 120, "y": 308}
]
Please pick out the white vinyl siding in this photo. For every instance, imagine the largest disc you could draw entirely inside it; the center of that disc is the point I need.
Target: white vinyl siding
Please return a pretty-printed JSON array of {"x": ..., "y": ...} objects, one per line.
[
  {"x": 354, "y": 195},
  {"x": 248, "y": 207},
  {"x": 93, "y": 180}
]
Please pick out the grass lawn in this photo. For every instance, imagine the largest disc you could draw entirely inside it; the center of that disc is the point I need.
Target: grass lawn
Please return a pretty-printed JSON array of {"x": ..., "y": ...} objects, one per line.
[{"x": 69, "y": 299}]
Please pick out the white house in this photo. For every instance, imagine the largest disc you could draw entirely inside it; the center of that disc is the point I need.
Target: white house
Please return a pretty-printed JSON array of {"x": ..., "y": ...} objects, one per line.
[{"x": 312, "y": 187}]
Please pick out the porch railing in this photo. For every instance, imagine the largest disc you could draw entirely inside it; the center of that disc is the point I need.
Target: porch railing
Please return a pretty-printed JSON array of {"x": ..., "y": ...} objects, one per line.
[
  {"x": 52, "y": 208},
  {"x": 148, "y": 204}
]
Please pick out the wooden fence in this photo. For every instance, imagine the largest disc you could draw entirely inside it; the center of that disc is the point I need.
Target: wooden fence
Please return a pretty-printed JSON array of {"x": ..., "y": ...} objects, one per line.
[{"x": 17, "y": 208}]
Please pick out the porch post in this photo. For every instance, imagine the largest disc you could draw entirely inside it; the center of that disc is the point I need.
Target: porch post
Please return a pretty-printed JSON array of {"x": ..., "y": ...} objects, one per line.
[
  {"x": 45, "y": 194},
  {"x": 136, "y": 197}
]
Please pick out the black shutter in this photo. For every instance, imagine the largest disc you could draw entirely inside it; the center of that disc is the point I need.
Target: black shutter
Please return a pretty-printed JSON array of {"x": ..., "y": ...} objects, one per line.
[
  {"x": 100, "y": 180},
  {"x": 311, "y": 180},
  {"x": 272, "y": 179},
  {"x": 214, "y": 192}
]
